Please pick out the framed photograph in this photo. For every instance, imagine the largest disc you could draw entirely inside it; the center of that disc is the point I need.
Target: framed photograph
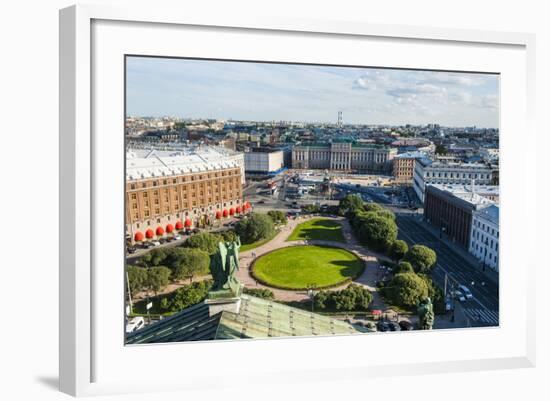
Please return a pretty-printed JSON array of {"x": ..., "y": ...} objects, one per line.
[{"x": 290, "y": 200}]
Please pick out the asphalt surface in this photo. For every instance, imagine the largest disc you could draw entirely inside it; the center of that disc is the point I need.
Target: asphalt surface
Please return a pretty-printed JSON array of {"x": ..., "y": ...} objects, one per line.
[{"x": 483, "y": 308}]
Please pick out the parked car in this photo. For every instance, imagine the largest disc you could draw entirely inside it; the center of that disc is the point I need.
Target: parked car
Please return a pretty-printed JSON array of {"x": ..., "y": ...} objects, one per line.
[
  {"x": 131, "y": 249},
  {"x": 195, "y": 231},
  {"x": 458, "y": 295},
  {"x": 155, "y": 243},
  {"x": 134, "y": 324},
  {"x": 406, "y": 325},
  {"x": 148, "y": 245},
  {"x": 466, "y": 291},
  {"x": 176, "y": 237},
  {"x": 382, "y": 326},
  {"x": 394, "y": 326}
]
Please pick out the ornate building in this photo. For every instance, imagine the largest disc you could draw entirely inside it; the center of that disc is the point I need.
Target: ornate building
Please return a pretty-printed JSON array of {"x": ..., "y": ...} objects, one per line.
[
  {"x": 168, "y": 190},
  {"x": 343, "y": 156}
]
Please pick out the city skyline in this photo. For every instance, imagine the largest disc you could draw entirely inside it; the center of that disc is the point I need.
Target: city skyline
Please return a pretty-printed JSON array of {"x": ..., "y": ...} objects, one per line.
[{"x": 250, "y": 91}]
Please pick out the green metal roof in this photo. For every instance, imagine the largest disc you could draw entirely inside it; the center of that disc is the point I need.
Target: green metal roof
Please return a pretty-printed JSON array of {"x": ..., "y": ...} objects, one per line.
[{"x": 257, "y": 318}]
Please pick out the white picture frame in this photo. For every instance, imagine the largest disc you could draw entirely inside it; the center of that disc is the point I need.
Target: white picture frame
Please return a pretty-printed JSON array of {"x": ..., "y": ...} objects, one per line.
[{"x": 83, "y": 351}]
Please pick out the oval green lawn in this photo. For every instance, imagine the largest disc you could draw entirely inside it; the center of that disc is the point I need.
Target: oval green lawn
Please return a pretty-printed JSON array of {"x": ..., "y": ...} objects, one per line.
[{"x": 298, "y": 267}]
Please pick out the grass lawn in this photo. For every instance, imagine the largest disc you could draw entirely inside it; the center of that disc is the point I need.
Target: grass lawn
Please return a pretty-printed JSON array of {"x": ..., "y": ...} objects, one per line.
[
  {"x": 298, "y": 267},
  {"x": 248, "y": 247},
  {"x": 318, "y": 228}
]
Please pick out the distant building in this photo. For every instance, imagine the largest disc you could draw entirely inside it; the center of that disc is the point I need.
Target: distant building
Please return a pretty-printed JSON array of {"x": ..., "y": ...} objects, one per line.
[
  {"x": 451, "y": 208},
  {"x": 263, "y": 161},
  {"x": 343, "y": 156},
  {"x": 428, "y": 172},
  {"x": 485, "y": 236},
  {"x": 403, "y": 166},
  {"x": 189, "y": 186}
]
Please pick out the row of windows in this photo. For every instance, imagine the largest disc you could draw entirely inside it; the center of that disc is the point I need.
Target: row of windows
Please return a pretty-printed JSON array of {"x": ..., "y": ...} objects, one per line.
[
  {"x": 488, "y": 229},
  {"x": 184, "y": 178},
  {"x": 458, "y": 175}
]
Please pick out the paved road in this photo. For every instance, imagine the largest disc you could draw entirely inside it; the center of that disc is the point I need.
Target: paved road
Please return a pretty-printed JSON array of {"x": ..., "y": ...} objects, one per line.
[{"x": 482, "y": 309}]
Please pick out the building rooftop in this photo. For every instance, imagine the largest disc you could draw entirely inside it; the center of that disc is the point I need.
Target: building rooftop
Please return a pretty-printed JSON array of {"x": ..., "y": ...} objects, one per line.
[
  {"x": 464, "y": 193},
  {"x": 411, "y": 155},
  {"x": 143, "y": 163},
  {"x": 490, "y": 213},
  {"x": 256, "y": 318}
]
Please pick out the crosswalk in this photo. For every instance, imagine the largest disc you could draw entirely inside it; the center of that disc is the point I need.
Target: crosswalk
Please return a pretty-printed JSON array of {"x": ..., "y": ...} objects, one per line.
[{"x": 484, "y": 316}]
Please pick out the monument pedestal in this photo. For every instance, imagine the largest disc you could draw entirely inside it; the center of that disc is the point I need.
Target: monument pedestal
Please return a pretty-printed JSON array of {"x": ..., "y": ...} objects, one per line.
[{"x": 224, "y": 300}]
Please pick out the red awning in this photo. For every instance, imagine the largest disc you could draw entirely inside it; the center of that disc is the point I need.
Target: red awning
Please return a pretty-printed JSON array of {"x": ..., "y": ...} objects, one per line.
[
  {"x": 160, "y": 231},
  {"x": 218, "y": 215},
  {"x": 138, "y": 236},
  {"x": 247, "y": 205},
  {"x": 238, "y": 209},
  {"x": 169, "y": 228},
  {"x": 188, "y": 223},
  {"x": 225, "y": 213},
  {"x": 377, "y": 312},
  {"x": 149, "y": 233},
  {"x": 179, "y": 225},
  {"x": 232, "y": 211}
]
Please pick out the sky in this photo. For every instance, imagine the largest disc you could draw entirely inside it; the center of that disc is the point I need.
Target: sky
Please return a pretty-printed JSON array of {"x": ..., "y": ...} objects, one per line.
[{"x": 308, "y": 93}]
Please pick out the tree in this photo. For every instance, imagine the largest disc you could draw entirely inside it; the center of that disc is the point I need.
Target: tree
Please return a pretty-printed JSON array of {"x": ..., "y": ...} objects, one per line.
[
  {"x": 372, "y": 207},
  {"x": 435, "y": 293},
  {"x": 421, "y": 258},
  {"x": 375, "y": 231},
  {"x": 229, "y": 235},
  {"x": 188, "y": 262},
  {"x": 350, "y": 204},
  {"x": 188, "y": 295},
  {"x": 154, "y": 258},
  {"x": 137, "y": 278},
  {"x": 207, "y": 242},
  {"x": 278, "y": 216},
  {"x": 440, "y": 150},
  {"x": 352, "y": 298},
  {"x": 398, "y": 249},
  {"x": 403, "y": 267},
  {"x": 254, "y": 228},
  {"x": 157, "y": 278},
  {"x": 406, "y": 289}
]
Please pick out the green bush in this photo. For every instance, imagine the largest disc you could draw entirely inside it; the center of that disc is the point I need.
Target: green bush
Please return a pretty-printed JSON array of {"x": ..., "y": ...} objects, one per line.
[
  {"x": 278, "y": 216},
  {"x": 352, "y": 298},
  {"x": 254, "y": 228},
  {"x": 406, "y": 290},
  {"x": 375, "y": 231},
  {"x": 186, "y": 263},
  {"x": 398, "y": 249},
  {"x": 186, "y": 296},
  {"x": 350, "y": 204},
  {"x": 205, "y": 241},
  {"x": 263, "y": 293},
  {"x": 422, "y": 258},
  {"x": 137, "y": 278},
  {"x": 403, "y": 267}
]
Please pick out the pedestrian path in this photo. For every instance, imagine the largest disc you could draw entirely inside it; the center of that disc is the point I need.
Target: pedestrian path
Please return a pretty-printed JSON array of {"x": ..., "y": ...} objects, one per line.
[{"x": 484, "y": 316}]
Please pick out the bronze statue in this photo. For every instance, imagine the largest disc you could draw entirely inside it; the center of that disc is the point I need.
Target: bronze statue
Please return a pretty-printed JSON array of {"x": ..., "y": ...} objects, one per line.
[
  {"x": 224, "y": 264},
  {"x": 425, "y": 311}
]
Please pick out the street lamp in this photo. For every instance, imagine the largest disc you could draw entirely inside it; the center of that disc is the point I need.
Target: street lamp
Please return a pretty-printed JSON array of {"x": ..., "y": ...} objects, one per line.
[{"x": 311, "y": 294}]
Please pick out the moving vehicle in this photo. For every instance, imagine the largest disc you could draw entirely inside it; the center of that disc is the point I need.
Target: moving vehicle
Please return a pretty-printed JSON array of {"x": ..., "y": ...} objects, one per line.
[
  {"x": 134, "y": 324},
  {"x": 466, "y": 291}
]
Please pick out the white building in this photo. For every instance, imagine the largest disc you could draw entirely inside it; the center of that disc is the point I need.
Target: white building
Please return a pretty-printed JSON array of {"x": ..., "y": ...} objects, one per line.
[
  {"x": 263, "y": 161},
  {"x": 485, "y": 236},
  {"x": 428, "y": 172}
]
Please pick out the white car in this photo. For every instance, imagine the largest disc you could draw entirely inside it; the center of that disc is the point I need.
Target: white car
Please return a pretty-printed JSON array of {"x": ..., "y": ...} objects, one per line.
[
  {"x": 134, "y": 324},
  {"x": 177, "y": 237},
  {"x": 458, "y": 295},
  {"x": 156, "y": 243},
  {"x": 465, "y": 290}
]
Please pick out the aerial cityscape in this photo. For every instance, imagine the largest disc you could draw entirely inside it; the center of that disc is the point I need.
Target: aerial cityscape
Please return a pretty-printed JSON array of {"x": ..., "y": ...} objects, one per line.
[{"x": 278, "y": 200}]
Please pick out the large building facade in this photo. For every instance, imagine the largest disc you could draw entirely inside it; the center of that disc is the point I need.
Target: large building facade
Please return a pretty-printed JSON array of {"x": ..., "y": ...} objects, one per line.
[
  {"x": 403, "y": 167},
  {"x": 167, "y": 190},
  {"x": 428, "y": 172},
  {"x": 485, "y": 236},
  {"x": 343, "y": 156},
  {"x": 450, "y": 209},
  {"x": 263, "y": 161}
]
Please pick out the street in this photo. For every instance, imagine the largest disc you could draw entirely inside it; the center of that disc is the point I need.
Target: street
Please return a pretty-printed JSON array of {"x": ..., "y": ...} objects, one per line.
[{"x": 483, "y": 308}]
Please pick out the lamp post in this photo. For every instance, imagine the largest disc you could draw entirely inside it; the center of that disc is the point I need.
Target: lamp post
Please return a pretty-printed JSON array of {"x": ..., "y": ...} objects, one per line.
[{"x": 311, "y": 294}]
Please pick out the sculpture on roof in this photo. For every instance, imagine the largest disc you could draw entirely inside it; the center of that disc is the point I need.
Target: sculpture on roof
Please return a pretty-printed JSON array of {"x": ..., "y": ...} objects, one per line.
[
  {"x": 425, "y": 311},
  {"x": 223, "y": 267}
]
